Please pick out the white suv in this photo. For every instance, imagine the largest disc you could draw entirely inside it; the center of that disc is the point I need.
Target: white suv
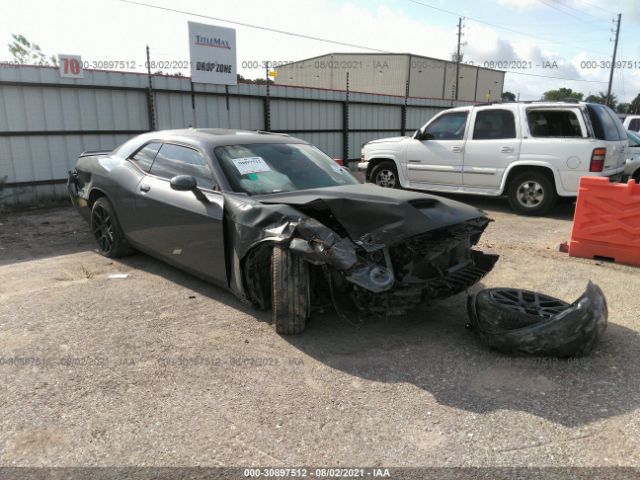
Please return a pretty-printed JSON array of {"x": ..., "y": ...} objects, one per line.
[
  {"x": 532, "y": 152},
  {"x": 632, "y": 122}
]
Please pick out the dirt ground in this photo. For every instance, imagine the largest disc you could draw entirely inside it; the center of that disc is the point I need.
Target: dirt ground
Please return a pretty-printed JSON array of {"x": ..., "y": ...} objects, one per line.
[{"x": 162, "y": 369}]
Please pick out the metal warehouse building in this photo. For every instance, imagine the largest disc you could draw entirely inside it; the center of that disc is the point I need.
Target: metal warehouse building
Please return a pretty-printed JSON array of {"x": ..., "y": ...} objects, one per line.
[{"x": 390, "y": 73}]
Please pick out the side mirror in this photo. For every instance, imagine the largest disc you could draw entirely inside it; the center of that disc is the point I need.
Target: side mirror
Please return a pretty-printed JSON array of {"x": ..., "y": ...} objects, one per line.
[
  {"x": 186, "y": 183},
  {"x": 183, "y": 183}
]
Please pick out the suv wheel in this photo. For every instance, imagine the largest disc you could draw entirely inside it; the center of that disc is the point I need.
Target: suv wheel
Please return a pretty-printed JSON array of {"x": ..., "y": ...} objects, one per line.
[
  {"x": 532, "y": 193},
  {"x": 385, "y": 174}
]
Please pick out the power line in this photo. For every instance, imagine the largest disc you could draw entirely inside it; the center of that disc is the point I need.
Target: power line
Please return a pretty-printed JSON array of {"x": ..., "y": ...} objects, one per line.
[
  {"x": 517, "y": 32},
  {"x": 556, "y": 78},
  {"x": 593, "y": 5},
  {"x": 283, "y": 32},
  {"x": 549, "y": 3}
]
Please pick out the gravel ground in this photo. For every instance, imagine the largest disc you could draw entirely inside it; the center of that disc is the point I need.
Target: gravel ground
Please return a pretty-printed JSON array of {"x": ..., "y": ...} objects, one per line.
[{"x": 161, "y": 369}]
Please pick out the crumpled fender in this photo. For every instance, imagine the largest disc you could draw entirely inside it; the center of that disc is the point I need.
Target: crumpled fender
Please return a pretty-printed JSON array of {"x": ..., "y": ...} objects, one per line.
[{"x": 572, "y": 332}]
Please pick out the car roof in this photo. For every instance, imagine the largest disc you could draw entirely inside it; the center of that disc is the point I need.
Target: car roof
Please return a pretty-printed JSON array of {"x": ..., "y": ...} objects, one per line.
[{"x": 213, "y": 137}]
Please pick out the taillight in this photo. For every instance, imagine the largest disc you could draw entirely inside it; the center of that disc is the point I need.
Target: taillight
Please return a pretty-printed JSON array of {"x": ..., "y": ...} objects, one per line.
[
  {"x": 597, "y": 159},
  {"x": 338, "y": 161}
]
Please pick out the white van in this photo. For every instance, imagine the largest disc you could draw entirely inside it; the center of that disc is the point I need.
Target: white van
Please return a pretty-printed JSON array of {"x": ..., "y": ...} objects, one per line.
[{"x": 532, "y": 152}]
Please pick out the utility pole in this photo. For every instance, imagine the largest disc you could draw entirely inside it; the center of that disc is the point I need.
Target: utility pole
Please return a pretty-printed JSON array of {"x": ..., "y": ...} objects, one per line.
[
  {"x": 458, "y": 55},
  {"x": 613, "y": 61},
  {"x": 150, "y": 103}
]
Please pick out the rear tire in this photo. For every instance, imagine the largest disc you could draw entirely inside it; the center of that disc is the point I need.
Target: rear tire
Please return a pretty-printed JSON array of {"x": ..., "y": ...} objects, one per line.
[
  {"x": 290, "y": 291},
  {"x": 106, "y": 230},
  {"x": 385, "y": 174},
  {"x": 532, "y": 193}
]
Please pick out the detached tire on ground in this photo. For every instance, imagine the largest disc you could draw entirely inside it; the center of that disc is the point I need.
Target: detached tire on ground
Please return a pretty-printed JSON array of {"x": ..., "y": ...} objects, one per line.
[
  {"x": 106, "y": 230},
  {"x": 522, "y": 322},
  {"x": 290, "y": 291},
  {"x": 385, "y": 174},
  {"x": 532, "y": 193}
]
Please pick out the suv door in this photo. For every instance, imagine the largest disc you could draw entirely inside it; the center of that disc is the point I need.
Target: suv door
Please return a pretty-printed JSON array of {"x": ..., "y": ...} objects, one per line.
[
  {"x": 436, "y": 156},
  {"x": 177, "y": 226},
  {"x": 492, "y": 144}
]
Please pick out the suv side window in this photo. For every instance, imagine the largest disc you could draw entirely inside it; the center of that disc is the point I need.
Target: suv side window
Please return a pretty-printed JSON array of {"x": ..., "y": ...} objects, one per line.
[
  {"x": 494, "y": 124},
  {"x": 634, "y": 124},
  {"x": 144, "y": 157},
  {"x": 175, "y": 160},
  {"x": 553, "y": 123},
  {"x": 449, "y": 126}
]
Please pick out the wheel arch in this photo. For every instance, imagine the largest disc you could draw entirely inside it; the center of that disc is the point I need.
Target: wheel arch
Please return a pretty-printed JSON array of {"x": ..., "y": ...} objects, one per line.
[
  {"x": 516, "y": 169},
  {"x": 94, "y": 194},
  {"x": 377, "y": 160}
]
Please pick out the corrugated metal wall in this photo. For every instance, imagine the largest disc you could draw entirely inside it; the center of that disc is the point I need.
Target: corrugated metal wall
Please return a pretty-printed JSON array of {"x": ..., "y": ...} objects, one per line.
[{"x": 46, "y": 121}]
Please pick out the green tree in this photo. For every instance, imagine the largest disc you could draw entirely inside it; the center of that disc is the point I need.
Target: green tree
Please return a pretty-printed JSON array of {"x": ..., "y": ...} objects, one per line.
[
  {"x": 623, "y": 108},
  {"x": 601, "y": 98},
  {"x": 508, "y": 97},
  {"x": 562, "y": 94},
  {"x": 25, "y": 52},
  {"x": 635, "y": 105}
]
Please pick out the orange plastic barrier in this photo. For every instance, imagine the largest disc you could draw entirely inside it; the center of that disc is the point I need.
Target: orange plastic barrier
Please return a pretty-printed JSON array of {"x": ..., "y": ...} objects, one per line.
[{"x": 607, "y": 221}]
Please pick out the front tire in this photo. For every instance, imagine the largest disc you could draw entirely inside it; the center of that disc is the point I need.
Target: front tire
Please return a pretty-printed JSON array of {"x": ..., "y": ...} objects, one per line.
[
  {"x": 290, "y": 299},
  {"x": 385, "y": 174},
  {"x": 532, "y": 193},
  {"x": 106, "y": 230}
]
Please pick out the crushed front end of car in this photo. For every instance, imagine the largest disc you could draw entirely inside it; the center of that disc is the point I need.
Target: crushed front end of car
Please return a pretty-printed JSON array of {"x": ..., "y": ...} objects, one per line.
[{"x": 386, "y": 252}]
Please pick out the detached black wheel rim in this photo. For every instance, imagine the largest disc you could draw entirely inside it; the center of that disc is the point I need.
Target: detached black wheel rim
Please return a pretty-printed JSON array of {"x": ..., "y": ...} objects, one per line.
[
  {"x": 102, "y": 226},
  {"x": 386, "y": 178},
  {"x": 530, "y": 194},
  {"x": 532, "y": 303}
]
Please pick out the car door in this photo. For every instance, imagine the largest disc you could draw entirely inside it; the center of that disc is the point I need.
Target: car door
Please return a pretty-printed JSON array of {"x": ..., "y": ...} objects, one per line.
[
  {"x": 178, "y": 226},
  {"x": 492, "y": 144},
  {"x": 436, "y": 155}
]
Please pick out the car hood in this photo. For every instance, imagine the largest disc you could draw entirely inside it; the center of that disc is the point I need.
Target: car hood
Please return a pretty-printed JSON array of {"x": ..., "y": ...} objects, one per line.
[
  {"x": 386, "y": 215},
  {"x": 387, "y": 140}
]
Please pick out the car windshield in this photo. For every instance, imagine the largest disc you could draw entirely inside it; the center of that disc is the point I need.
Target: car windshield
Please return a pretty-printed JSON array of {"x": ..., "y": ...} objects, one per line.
[
  {"x": 279, "y": 167},
  {"x": 634, "y": 139}
]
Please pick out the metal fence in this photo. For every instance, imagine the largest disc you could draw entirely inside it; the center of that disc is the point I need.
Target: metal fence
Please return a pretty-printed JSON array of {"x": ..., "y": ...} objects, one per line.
[{"x": 46, "y": 121}]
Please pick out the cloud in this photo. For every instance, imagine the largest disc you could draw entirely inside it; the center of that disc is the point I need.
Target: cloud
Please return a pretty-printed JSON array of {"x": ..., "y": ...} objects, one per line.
[{"x": 520, "y": 4}]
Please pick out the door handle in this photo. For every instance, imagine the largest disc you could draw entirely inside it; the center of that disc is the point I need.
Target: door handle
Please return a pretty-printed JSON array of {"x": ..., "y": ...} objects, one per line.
[
  {"x": 145, "y": 187},
  {"x": 506, "y": 150},
  {"x": 456, "y": 149}
]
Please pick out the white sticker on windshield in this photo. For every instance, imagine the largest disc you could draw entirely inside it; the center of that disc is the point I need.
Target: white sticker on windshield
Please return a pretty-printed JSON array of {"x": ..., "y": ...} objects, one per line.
[
  {"x": 338, "y": 169},
  {"x": 249, "y": 165}
]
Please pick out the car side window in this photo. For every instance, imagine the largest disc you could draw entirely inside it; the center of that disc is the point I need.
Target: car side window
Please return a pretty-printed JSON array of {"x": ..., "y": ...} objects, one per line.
[
  {"x": 634, "y": 124},
  {"x": 144, "y": 157},
  {"x": 554, "y": 123},
  {"x": 449, "y": 126},
  {"x": 175, "y": 160},
  {"x": 494, "y": 124}
]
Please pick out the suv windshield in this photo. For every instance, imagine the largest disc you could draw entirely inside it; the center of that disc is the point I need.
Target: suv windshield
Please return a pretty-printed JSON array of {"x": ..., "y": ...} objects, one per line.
[{"x": 279, "y": 167}]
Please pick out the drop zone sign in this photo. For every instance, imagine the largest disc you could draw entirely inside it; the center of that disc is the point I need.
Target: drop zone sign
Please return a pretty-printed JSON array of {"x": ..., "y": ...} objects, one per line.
[{"x": 212, "y": 51}]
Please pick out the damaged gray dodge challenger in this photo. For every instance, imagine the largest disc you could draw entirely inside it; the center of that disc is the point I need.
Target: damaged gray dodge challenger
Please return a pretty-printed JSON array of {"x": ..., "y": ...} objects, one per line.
[{"x": 278, "y": 222}]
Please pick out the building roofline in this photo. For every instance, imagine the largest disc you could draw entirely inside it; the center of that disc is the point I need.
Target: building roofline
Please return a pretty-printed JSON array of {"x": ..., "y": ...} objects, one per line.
[{"x": 394, "y": 54}]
